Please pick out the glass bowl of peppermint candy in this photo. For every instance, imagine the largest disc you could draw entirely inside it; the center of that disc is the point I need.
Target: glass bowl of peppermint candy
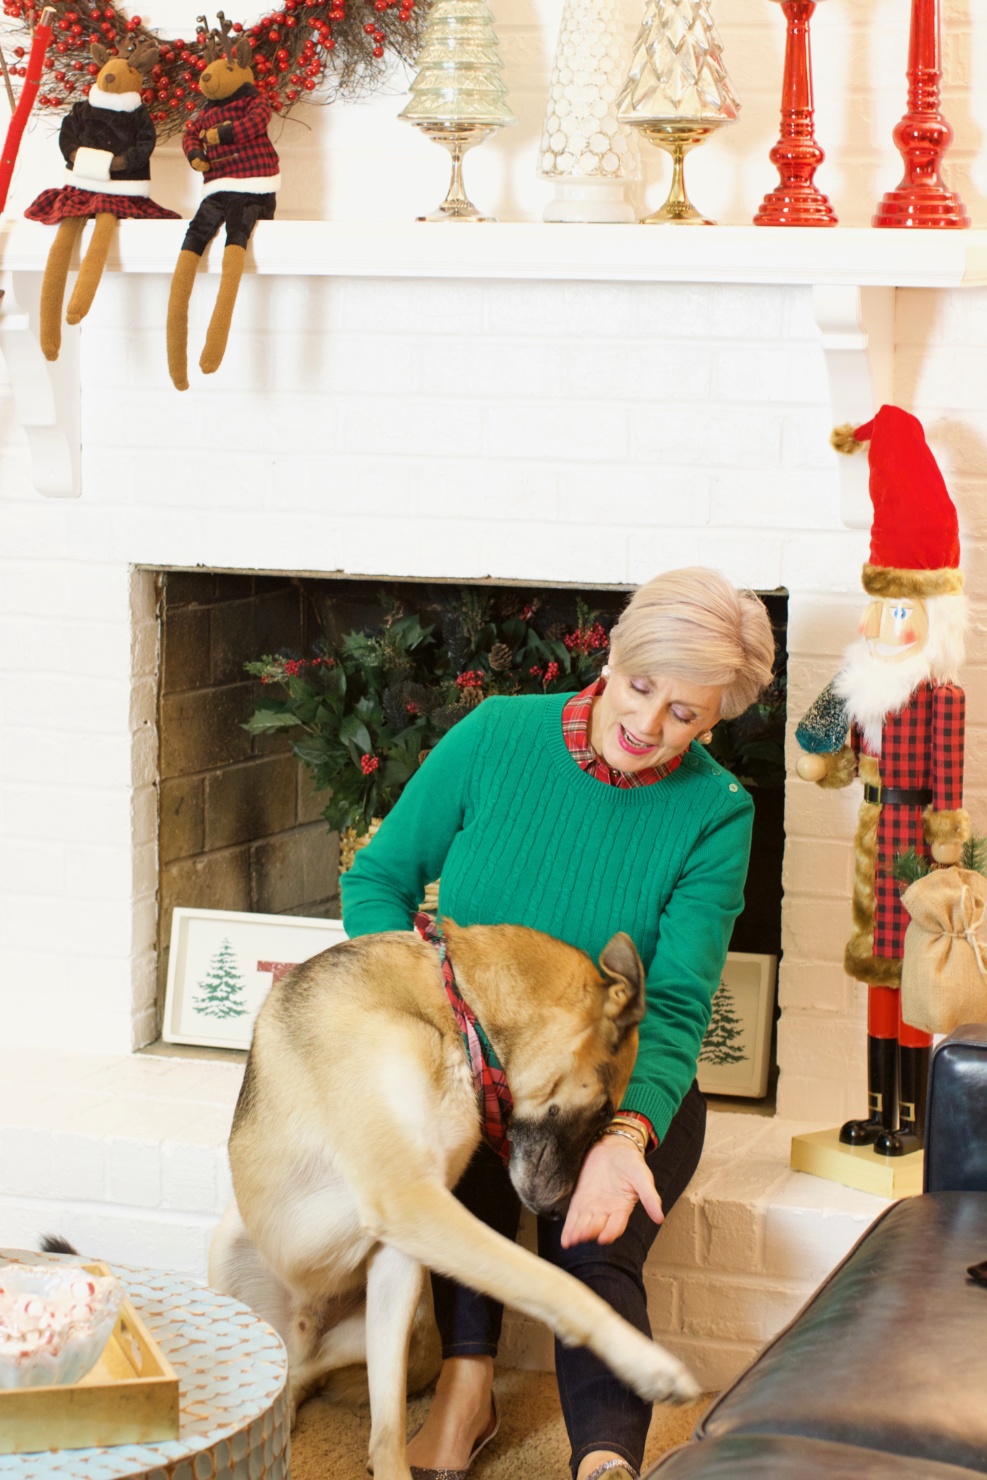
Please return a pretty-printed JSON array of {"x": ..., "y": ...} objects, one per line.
[{"x": 55, "y": 1321}]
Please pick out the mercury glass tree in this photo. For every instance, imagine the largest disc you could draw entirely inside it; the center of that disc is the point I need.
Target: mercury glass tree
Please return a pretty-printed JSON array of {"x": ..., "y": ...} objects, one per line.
[
  {"x": 585, "y": 150},
  {"x": 458, "y": 98},
  {"x": 677, "y": 91}
]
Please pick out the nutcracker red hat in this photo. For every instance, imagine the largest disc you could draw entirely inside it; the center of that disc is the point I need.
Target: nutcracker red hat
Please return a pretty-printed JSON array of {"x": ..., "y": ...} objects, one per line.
[{"x": 914, "y": 542}]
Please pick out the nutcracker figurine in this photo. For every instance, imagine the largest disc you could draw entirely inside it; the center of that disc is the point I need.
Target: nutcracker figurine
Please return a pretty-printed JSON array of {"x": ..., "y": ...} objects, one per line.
[{"x": 894, "y": 716}]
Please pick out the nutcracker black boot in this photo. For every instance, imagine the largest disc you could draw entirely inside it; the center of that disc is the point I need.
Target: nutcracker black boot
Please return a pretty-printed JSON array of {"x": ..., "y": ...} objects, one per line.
[
  {"x": 913, "y": 1070},
  {"x": 882, "y": 1095}
]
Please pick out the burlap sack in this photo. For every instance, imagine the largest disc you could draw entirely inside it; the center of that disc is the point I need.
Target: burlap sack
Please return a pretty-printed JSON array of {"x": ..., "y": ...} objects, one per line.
[{"x": 944, "y": 970}]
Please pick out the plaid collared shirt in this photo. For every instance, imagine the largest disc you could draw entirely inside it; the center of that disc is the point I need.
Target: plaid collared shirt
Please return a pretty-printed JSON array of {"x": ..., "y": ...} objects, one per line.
[{"x": 575, "y": 732}]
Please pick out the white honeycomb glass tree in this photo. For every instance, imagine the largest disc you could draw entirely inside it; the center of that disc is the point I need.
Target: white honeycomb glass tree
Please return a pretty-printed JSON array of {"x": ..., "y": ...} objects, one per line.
[{"x": 586, "y": 151}]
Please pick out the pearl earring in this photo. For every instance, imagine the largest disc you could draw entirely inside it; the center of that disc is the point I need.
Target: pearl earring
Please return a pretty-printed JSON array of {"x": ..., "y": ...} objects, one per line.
[
  {"x": 605, "y": 671},
  {"x": 705, "y": 738}
]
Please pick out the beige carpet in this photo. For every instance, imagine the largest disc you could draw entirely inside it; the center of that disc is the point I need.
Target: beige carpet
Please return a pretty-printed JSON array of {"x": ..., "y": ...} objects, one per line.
[{"x": 330, "y": 1440}]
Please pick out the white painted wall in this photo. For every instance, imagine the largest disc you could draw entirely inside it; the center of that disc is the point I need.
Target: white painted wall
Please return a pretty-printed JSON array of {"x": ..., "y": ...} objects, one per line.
[{"x": 573, "y": 432}]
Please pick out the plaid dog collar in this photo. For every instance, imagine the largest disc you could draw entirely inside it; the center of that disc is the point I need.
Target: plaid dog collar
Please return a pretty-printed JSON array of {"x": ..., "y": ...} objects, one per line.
[{"x": 493, "y": 1097}]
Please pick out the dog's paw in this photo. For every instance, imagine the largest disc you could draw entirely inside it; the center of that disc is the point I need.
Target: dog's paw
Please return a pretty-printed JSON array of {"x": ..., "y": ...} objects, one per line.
[{"x": 673, "y": 1383}]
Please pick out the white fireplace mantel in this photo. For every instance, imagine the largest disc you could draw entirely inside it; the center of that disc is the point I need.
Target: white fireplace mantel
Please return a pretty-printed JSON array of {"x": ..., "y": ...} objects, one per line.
[{"x": 852, "y": 271}]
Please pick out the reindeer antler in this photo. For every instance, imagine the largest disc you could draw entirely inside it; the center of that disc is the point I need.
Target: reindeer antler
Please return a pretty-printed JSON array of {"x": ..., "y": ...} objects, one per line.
[
  {"x": 142, "y": 55},
  {"x": 226, "y": 28},
  {"x": 210, "y": 39}
]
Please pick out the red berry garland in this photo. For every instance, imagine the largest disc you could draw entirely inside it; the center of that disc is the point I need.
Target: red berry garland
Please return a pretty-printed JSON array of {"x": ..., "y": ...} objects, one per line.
[{"x": 321, "y": 47}]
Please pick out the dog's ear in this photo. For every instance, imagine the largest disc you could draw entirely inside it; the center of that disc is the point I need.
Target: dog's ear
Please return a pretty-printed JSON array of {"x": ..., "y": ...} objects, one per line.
[{"x": 621, "y": 965}]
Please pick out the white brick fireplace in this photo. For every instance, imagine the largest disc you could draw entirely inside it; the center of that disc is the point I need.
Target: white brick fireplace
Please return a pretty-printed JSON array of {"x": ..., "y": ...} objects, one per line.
[{"x": 586, "y": 427}]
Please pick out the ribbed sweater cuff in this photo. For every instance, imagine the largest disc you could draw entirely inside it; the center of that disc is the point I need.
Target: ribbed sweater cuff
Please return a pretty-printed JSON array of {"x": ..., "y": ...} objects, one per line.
[{"x": 651, "y": 1103}]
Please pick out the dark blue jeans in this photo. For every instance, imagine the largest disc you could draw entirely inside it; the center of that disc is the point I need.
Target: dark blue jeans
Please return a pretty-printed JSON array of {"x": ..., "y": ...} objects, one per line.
[{"x": 600, "y": 1412}]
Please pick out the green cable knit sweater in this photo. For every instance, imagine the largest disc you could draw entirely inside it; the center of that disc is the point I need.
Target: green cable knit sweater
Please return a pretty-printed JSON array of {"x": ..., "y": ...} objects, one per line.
[{"x": 517, "y": 833}]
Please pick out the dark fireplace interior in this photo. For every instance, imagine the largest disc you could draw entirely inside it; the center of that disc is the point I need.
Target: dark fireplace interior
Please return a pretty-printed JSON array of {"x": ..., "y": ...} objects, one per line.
[{"x": 241, "y": 825}]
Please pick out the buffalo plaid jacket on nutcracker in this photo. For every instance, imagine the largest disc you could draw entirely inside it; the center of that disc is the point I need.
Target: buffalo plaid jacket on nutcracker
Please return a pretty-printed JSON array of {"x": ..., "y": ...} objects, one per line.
[
  {"x": 921, "y": 751},
  {"x": 244, "y": 159}
]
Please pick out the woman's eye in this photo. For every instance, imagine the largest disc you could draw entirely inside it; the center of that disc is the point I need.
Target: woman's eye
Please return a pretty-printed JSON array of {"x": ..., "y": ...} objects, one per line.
[
  {"x": 683, "y": 719},
  {"x": 638, "y": 686}
]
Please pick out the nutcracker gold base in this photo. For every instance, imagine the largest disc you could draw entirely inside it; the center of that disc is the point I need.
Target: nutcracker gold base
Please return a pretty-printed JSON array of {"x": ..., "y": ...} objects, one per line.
[{"x": 822, "y": 1154}]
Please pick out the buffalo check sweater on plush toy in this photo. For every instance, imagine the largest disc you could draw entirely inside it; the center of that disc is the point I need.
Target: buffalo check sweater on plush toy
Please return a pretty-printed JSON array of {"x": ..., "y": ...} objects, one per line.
[
  {"x": 518, "y": 833},
  {"x": 244, "y": 159}
]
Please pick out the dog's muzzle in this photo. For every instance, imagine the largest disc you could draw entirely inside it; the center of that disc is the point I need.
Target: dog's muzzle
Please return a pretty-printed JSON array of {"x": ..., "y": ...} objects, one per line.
[{"x": 544, "y": 1166}]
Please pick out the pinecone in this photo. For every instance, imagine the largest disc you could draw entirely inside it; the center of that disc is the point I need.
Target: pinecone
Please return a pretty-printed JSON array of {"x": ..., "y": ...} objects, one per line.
[
  {"x": 500, "y": 657},
  {"x": 556, "y": 632}
]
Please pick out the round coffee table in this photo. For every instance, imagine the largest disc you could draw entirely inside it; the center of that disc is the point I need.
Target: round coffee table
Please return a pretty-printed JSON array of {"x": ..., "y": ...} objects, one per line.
[{"x": 232, "y": 1369}]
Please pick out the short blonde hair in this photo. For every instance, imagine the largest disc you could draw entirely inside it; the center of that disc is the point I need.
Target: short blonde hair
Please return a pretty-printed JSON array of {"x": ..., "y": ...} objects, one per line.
[{"x": 695, "y": 625}]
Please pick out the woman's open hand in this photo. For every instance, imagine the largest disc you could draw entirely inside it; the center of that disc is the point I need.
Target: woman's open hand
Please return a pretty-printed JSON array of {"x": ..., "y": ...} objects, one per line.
[{"x": 614, "y": 1176}]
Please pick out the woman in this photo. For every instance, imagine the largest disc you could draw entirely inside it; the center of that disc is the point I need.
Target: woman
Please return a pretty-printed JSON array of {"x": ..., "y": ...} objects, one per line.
[{"x": 581, "y": 815}]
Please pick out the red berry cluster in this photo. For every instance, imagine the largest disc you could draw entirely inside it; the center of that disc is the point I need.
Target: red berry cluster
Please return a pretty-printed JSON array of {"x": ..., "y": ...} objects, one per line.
[
  {"x": 546, "y": 674},
  {"x": 587, "y": 639},
  {"x": 369, "y": 764},
  {"x": 471, "y": 679},
  {"x": 293, "y": 667},
  {"x": 305, "y": 46}
]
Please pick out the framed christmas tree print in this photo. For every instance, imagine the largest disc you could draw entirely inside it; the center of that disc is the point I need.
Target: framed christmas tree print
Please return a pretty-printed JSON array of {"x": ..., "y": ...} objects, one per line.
[
  {"x": 223, "y": 963},
  {"x": 734, "y": 1059}
]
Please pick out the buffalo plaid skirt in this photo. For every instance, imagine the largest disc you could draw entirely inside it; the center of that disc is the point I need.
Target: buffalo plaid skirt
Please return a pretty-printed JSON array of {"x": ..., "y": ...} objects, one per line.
[{"x": 68, "y": 201}]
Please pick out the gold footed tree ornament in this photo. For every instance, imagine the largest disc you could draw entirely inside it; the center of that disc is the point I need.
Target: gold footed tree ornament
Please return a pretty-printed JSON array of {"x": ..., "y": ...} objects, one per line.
[
  {"x": 677, "y": 93},
  {"x": 457, "y": 98}
]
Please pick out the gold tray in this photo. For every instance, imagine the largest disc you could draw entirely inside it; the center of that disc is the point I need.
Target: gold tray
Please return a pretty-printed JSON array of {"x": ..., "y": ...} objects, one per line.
[{"x": 129, "y": 1397}]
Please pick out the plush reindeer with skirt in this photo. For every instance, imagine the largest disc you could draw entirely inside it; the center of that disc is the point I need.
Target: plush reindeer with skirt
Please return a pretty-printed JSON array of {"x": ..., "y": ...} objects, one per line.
[
  {"x": 227, "y": 143},
  {"x": 107, "y": 142}
]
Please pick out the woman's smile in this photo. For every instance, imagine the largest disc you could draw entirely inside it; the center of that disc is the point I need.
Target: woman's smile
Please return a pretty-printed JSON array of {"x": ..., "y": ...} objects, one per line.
[{"x": 632, "y": 744}]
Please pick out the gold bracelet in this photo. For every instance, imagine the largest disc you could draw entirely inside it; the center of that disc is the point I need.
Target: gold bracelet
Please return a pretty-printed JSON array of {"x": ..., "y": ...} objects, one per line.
[
  {"x": 633, "y": 1124},
  {"x": 618, "y": 1130},
  {"x": 631, "y": 1120}
]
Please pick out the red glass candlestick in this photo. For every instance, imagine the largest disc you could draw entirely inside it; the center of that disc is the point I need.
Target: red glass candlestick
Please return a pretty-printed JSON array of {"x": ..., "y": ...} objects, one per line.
[
  {"x": 796, "y": 201},
  {"x": 923, "y": 136}
]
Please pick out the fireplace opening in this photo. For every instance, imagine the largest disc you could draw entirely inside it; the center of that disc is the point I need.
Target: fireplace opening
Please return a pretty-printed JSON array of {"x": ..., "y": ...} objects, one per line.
[{"x": 241, "y": 823}]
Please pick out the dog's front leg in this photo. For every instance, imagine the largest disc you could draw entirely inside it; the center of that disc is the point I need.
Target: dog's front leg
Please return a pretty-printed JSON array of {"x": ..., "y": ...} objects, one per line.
[{"x": 393, "y": 1287}]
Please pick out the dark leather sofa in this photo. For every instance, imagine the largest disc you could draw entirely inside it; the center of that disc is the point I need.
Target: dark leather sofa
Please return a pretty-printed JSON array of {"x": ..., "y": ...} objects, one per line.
[{"x": 883, "y": 1374}]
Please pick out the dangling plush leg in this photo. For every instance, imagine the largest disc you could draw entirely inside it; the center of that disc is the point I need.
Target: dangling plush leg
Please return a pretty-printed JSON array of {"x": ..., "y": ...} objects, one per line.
[
  {"x": 91, "y": 269},
  {"x": 178, "y": 301},
  {"x": 53, "y": 285},
  {"x": 222, "y": 315}
]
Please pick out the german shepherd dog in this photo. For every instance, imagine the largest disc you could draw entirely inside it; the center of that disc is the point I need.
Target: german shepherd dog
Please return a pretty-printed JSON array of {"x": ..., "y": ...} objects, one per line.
[{"x": 358, "y": 1114}]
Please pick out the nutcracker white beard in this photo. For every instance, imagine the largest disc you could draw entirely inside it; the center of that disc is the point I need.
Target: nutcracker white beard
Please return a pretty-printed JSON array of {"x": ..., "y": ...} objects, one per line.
[{"x": 874, "y": 688}]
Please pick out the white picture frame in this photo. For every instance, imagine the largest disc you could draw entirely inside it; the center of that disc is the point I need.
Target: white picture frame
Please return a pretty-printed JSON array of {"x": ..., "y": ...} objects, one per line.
[
  {"x": 735, "y": 1056},
  {"x": 223, "y": 963}
]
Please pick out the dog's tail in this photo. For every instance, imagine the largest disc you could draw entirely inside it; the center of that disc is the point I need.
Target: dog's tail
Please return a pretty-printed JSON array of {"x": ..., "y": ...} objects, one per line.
[{"x": 53, "y": 1243}]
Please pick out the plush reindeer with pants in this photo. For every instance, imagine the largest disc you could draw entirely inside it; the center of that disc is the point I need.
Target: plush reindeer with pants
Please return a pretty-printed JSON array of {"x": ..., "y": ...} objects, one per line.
[
  {"x": 107, "y": 142},
  {"x": 227, "y": 143}
]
